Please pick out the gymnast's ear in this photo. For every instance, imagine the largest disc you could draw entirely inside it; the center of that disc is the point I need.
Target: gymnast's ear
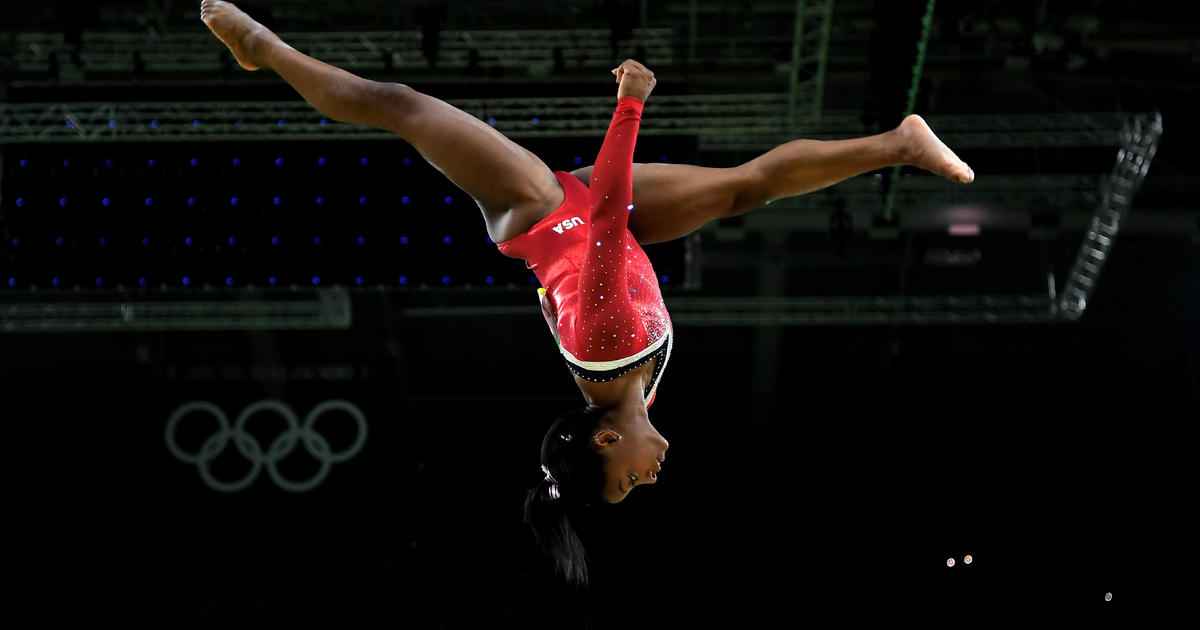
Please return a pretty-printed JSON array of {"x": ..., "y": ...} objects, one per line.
[{"x": 605, "y": 437}]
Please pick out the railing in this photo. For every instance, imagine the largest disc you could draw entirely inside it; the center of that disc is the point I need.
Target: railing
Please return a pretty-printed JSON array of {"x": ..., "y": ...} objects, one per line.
[
  {"x": 295, "y": 120},
  {"x": 199, "y": 52},
  {"x": 179, "y": 16},
  {"x": 720, "y": 121}
]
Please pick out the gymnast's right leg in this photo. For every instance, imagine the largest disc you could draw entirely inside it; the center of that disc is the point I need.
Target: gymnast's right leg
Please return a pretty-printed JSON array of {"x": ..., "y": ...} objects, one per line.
[{"x": 510, "y": 184}]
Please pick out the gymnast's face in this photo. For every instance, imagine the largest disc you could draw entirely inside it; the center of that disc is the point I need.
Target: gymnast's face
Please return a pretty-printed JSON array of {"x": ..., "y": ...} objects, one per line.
[{"x": 631, "y": 458}]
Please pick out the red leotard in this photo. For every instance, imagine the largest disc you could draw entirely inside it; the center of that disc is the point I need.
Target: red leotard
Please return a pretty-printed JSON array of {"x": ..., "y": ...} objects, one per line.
[{"x": 610, "y": 313}]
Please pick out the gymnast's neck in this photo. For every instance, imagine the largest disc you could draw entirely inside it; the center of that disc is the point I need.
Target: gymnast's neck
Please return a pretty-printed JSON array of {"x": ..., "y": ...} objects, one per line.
[{"x": 626, "y": 392}]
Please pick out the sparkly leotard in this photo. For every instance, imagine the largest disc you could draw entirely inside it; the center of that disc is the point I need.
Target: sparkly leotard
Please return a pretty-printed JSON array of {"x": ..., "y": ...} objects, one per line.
[{"x": 610, "y": 313}]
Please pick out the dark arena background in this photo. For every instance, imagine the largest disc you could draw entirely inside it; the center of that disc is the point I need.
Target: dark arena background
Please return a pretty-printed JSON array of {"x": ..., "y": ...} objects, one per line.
[{"x": 262, "y": 369}]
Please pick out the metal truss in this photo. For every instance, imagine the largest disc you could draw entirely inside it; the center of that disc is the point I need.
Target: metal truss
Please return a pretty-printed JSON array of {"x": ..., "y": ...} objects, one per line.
[
  {"x": 1140, "y": 142},
  {"x": 111, "y": 311},
  {"x": 810, "y": 56},
  {"x": 357, "y": 51}
]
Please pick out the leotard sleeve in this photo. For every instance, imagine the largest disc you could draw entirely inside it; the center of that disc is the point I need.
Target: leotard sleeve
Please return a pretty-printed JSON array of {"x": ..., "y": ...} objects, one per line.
[{"x": 609, "y": 328}]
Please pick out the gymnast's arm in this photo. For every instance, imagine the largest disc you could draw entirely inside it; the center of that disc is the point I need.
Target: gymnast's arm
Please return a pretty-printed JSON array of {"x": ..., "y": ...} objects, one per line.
[{"x": 607, "y": 318}]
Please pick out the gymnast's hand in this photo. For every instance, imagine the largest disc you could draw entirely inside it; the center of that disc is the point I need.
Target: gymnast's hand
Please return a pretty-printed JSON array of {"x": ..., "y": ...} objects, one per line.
[
  {"x": 549, "y": 312},
  {"x": 635, "y": 80}
]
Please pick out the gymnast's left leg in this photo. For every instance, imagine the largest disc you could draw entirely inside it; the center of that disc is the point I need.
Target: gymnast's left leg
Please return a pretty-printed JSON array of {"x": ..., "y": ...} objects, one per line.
[{"x": 674, "y": 200}]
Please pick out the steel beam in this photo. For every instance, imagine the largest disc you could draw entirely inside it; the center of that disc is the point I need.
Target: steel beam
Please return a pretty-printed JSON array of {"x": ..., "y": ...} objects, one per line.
[{"x": 1141, "y": 136}]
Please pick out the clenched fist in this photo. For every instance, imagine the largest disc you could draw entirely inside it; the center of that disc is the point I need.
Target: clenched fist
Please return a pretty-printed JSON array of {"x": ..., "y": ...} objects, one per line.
[{"x": 635, "y": 80}]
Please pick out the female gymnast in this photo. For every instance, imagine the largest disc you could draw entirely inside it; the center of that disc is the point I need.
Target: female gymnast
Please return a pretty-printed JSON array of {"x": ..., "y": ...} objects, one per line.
[{"x": 580, "y": 233}]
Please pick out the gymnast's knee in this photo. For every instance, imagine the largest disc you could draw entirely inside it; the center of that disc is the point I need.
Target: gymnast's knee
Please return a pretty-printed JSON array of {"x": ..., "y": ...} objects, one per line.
[{"x": 391, "y": 104}]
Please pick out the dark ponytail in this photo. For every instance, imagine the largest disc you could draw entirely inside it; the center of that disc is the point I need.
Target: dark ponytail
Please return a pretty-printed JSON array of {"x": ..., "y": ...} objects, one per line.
[{"x": 557, "y": 505}]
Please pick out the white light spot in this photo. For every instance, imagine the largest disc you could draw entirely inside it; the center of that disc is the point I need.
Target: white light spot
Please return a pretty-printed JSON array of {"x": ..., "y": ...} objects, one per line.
[
  {"x": 1108, "y": 597},
  {"x": 950, "y": 562},
  {"x": 968, "y": 559}
]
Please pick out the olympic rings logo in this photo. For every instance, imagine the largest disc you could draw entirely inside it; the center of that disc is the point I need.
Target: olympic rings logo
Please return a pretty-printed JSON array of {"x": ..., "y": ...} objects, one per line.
[{"x": 296, "y": 433}]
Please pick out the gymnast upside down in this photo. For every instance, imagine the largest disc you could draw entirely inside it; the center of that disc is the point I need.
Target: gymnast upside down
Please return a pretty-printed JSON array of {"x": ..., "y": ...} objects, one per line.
[{"x": 581, "y": 234}]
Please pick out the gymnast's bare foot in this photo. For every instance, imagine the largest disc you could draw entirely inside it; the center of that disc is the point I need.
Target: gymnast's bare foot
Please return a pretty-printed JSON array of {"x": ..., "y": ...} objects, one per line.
[
  {"x": 236, "y": 30},
  {"x": 921, "y": 148}
]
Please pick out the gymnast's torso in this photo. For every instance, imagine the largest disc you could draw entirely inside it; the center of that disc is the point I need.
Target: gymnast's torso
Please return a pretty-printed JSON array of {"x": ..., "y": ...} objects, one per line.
[{"x": 609, "y": 313}]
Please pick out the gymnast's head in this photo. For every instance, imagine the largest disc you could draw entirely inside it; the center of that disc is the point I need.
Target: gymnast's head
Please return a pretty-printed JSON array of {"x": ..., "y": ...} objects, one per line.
[{"x": 590, "y": 456}]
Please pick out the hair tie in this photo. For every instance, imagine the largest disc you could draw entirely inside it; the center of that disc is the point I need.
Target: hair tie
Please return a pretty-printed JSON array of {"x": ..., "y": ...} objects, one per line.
[
  {"x": 554, "y": 493},
  {"x": 549, "y": 477}
]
